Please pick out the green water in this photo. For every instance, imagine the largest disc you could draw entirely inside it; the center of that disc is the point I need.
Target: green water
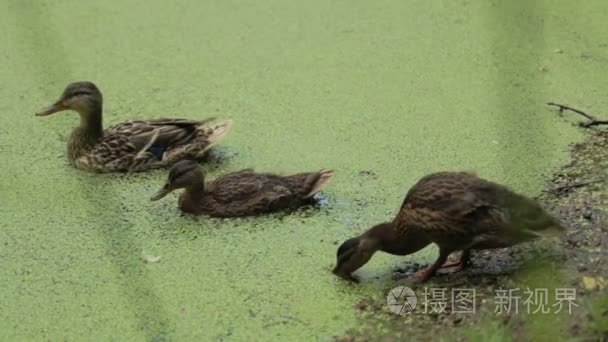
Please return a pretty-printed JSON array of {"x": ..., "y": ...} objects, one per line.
[{"x": 396, "y": 88}]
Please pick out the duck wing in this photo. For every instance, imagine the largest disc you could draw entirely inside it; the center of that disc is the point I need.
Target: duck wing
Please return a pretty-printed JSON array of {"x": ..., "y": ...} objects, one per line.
[
  {"x": 246, "y": 193},
  {"x": 124, "y": 146},
  {"x": 158, "y": 132},
  {"x": 458, "y": 209},
  {"x": 237, "y": 186},
  {"x": 450, "y": 205},
  {"x": 451, "y": 192},
  {"x": 307, "y": 184}
]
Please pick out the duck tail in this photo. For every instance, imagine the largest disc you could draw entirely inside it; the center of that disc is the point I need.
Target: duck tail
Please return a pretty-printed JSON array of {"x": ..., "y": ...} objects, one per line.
[
  {"x": 317, "y": 181},
  {"x": 213, "y": 134},
  {"x": 206, "y": 121},
  {"x": 545, "y": 226}
]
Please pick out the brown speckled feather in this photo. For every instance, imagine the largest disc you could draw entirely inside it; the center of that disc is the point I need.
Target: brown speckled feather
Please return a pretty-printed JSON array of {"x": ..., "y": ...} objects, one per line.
[
  {"x": 457, "y": 211},
  {"x": 246, "y": 192},
  {"x": 241, "y": 193},
  {"x": 456, "y": 208},
  {"x": 170, "y": 131},
  {"x": 124, "y": 146},
  {"x": 135, "y": 145}
]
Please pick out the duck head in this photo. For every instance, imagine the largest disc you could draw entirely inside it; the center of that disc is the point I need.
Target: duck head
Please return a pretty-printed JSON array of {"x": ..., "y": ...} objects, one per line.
[
  {"x": 357, "y": 251},
  {"x": 183, "y": 174},
  {"x": 82, "y": 97}
]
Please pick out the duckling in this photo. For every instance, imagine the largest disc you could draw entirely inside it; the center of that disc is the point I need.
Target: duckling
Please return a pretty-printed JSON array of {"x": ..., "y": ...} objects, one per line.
[
  {"x": 241, "y": 193},
  {"x": 457, "y": 211},
  {"x": 135, "y": 145}
]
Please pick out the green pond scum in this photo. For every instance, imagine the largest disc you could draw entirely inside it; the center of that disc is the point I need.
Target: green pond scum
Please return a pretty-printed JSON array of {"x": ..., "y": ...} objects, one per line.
[{"x": 382, "y": 92}]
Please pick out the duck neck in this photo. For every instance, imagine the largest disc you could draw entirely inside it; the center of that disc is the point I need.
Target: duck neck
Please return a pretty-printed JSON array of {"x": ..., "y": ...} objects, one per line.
[
  {"x": 88, "y": 133},
  {"x": 391, "y": 240},
  {"x": 193, "y": 196},
  {"x": 196, "y": 190}
]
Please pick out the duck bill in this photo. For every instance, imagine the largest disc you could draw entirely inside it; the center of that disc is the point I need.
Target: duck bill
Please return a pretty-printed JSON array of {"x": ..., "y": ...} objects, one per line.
[
  {"x": 344, "y": 275},
  {"x": 340, "y": 273},
  {"x": 54, "y": 108},
  {"x": 161, "y": 193}
]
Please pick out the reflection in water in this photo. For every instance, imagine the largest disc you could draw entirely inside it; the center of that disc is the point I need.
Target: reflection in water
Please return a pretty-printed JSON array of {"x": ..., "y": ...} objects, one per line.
[
  {"x": 49, "y": 58},
  {"x": 116, "y": 232}
]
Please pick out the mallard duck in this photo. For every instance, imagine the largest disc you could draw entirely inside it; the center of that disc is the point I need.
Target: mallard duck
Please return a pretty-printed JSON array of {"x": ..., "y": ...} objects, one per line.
[
  {"x": 135, "y": 145},
  {"x": 241, "y": 193},
  {"x": 458, "y": 211}
]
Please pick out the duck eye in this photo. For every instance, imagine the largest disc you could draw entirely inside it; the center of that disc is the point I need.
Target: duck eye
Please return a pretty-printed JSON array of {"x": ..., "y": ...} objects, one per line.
[
  {"x": 79, "y": 93},
  {"x": 177, "y": 174}
]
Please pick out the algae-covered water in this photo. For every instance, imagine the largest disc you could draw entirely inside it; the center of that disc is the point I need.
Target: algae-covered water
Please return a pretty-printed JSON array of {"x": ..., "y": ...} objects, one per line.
[{"x": 381, "y": 91}]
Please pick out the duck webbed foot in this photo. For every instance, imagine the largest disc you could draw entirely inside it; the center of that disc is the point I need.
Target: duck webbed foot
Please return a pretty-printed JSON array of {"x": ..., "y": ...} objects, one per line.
[
  {"x": 424, "y": 275},
  {"x": 458, "y": 264}
]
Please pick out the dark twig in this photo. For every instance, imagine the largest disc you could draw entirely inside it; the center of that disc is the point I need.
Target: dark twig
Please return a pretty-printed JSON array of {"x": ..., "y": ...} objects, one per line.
[
  {"x": 595, "y": 123},
  {"x": 566, "y": 107},
  {"x": 592, "y": 120},
  {"x": 574, "y": 185}
]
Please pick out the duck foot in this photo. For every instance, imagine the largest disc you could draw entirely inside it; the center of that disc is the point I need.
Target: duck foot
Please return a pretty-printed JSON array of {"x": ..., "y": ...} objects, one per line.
[
  {"x": 454, "y": 265},
  {"x": 423, "y": 276},
  {"x": 458, "y": 264}
]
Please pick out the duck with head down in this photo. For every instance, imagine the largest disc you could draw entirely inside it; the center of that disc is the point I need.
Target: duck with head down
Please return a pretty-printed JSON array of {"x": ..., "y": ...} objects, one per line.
[
  {"x": 241, "y": 193},
  {"x": 135, "y": 145},
  {"x": 458, "y": 211}
]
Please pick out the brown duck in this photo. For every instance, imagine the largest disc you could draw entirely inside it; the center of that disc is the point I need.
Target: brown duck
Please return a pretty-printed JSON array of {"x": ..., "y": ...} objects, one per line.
[
  {"x": 242, "y": 193},
  {"x": 134, "y": 145},
  {"x": 458, "y": 211}
]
